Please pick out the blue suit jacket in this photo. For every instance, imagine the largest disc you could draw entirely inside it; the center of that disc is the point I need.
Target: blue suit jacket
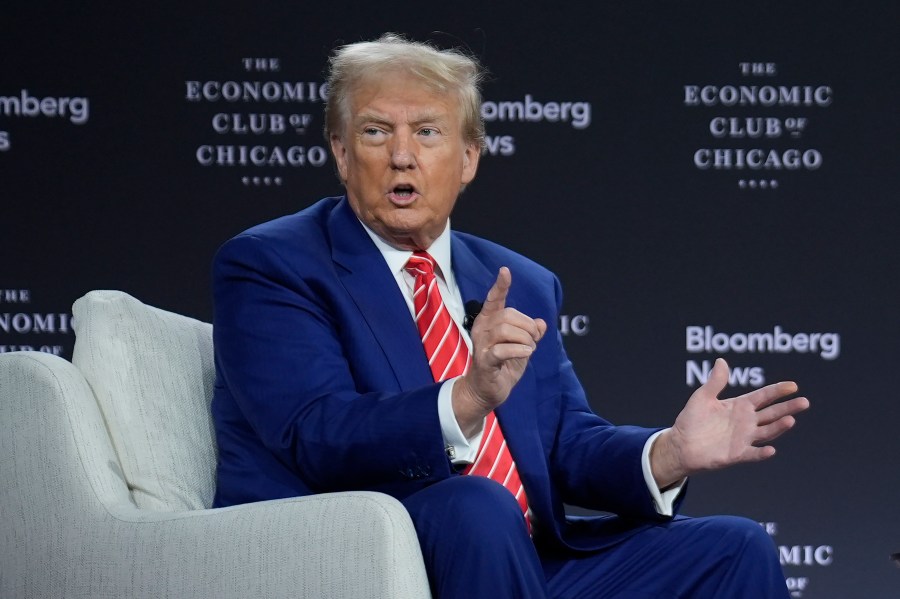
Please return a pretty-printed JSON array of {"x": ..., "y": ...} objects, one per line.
[{"x": 322, "y": 383}]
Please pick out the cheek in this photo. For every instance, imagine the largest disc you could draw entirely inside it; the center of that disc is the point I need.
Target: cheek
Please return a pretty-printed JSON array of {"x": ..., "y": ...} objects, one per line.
[
  {"x": 359, "y": 174},
  {"x": 372, "y": 171}
]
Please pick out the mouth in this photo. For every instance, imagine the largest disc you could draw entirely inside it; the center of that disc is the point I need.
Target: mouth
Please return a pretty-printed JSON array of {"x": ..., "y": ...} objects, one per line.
[{"x": 402, "y": 194}]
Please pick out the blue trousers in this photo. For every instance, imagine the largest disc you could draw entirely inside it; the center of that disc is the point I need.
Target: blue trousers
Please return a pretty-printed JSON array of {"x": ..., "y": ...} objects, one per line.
[{"x": 476, "y": 546}]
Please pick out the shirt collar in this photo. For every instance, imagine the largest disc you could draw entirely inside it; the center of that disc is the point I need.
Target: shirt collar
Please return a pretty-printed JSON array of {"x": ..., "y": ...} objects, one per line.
[{"x": 396, "y": 259}]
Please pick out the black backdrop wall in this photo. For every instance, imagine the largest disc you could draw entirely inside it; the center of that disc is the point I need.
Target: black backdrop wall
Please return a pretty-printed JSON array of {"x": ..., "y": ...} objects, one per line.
[{"x": 705, "y": 179}]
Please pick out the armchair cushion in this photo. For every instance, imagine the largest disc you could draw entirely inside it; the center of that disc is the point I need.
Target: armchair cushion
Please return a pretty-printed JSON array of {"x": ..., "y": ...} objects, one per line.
[{"x": 152, "y": 373}]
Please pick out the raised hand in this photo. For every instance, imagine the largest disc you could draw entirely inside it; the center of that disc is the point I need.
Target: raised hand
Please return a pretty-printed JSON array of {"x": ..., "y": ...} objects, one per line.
[
  {"x": 503, "y": 340},
  {"x": 710, "y": 433}
]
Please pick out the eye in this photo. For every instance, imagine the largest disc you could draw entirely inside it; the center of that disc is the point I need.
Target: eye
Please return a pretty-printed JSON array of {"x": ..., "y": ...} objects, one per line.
[
  {"x": 429, "y": 132},
  {"x": 372, "y": 135}
]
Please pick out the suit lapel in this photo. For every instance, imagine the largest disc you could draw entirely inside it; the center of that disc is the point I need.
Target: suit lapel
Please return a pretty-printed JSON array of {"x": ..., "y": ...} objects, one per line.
[
  {"x": 473, "y": 277},
  {"x": 366, "y": 278},
  {"x": 518, "y": 414},
  {"x": 374, "y": 290}
]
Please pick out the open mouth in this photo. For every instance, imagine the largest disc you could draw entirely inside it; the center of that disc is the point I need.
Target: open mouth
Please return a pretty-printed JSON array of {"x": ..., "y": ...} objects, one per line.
[
  {"x": 404, "y": 190},
  {"x": 403, "y": 193}
]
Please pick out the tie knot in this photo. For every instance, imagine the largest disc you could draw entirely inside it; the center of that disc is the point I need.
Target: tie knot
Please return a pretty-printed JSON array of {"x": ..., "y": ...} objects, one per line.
[{"x": 420, "y": 264}]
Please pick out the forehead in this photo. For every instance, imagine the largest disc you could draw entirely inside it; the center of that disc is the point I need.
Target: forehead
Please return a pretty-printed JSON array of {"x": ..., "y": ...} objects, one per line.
[{"x": 397, "y": 93}]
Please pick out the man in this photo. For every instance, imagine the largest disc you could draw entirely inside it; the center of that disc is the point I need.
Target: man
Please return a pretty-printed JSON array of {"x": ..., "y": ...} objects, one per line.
[{"x": 342, "y": 364}]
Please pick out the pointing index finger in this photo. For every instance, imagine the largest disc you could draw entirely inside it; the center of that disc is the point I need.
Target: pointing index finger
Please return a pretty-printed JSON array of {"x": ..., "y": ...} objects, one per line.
[{"x": 496, "y": 297}]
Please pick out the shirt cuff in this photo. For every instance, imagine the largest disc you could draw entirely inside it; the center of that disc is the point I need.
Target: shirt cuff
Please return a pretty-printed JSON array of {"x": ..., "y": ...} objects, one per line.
[
  {"x": 459, "y": 449},
  {"x": 663, "y": 501}
]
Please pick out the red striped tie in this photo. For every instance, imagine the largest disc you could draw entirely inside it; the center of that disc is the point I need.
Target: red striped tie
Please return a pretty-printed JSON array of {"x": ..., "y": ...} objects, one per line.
[{"x": 449, "y": 357}]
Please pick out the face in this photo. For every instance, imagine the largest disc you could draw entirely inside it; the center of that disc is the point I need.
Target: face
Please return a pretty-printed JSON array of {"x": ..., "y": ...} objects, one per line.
[{"x": 402, "y": 159}]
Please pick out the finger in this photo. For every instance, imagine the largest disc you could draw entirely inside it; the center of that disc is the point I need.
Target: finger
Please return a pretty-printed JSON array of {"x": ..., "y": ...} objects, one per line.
[
  {"x": 780, "y": 410},
  {"x": 541, "y": 328},
  {"x": 507, "y": 332},
  {"x": 772, "y": 431},
  {"x": 510, "y": 351},
  {"x": 758, "y": 454},
  {"x": 496, "y": 297},
  {"x": 718, "y": 377},
  {"x": 770, "y": 393},
  {"x": 513, "y": 317}
]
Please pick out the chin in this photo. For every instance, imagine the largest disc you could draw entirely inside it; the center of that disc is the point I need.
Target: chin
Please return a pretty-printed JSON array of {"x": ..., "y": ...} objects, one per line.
[{"x": 409, "y": 237}]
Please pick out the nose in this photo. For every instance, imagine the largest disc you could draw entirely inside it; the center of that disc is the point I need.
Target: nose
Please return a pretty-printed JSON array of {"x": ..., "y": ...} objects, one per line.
[{"x": 403, "y": 154}]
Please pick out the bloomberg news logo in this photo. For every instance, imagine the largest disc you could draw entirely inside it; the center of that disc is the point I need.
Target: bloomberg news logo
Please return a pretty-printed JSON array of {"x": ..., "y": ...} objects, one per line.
[
  {"x": 74, "y": 109},
  {"x": 529, "y": 110},
  {"x": 707, "y": 340}
]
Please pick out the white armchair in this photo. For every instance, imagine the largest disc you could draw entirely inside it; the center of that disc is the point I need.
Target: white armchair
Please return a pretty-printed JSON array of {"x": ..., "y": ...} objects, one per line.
[{"x": 107, "y": 472}]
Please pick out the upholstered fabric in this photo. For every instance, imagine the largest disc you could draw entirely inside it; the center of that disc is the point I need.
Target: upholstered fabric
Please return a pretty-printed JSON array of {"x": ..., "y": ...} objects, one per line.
[
  {"x": 69, "y": 527},
  {"x": 152, "y": 373}
]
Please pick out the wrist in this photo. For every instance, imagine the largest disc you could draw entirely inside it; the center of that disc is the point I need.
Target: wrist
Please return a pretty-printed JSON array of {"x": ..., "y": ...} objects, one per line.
[
  {"x": 665, "y": 463},
  {"x": 468, "y": 409}
]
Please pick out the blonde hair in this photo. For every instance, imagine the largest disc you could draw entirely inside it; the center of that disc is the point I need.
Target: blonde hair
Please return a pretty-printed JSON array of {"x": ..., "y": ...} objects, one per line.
[{"x": 446, "y": 71}]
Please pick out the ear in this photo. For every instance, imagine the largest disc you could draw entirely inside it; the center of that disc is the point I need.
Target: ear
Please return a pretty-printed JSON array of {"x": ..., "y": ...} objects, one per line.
[
  {"x": 339, "y": 150},
  {"x": 470, "y": 162}
]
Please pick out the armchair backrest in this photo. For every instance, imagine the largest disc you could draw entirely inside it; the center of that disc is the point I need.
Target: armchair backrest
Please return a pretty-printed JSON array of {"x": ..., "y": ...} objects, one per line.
[{"x": 152, "y": 374}]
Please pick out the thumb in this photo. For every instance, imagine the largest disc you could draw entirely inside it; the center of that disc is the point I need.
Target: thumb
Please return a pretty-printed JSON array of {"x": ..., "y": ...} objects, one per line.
[
  {"x": 496, "y": 297},
  {"x": 718, "y": 377}
]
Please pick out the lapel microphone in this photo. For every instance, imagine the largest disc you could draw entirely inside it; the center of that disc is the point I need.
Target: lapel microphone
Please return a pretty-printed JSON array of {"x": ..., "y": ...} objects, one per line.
[{"x": 473, "y": 309}]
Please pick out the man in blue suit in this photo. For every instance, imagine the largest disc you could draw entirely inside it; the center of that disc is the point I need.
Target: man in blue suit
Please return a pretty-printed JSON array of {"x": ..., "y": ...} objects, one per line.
[{"x": 324, "y": 382}]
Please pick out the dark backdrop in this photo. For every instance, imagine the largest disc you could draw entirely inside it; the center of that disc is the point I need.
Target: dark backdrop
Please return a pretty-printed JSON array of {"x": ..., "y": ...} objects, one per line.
[{"x": 115, "y": 193}]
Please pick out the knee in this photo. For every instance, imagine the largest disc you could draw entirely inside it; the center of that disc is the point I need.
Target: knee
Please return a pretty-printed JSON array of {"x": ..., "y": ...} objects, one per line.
[
  {"x": 473, "y": 526},
  {"x": 743, "y": 534},
  {"x": 746, "y": 528},
  {"x": 481, "y": 500},
  {"x": 465, "y": 503}
]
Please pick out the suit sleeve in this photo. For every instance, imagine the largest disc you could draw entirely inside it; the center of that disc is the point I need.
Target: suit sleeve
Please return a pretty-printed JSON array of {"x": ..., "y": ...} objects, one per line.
[
  {"x": 593, "y": 463},
  {"x": 281, "y": 352}
]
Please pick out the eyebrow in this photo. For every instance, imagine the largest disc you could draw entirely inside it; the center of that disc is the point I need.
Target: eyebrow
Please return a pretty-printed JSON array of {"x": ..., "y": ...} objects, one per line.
[{"x": 427, "y": 117}]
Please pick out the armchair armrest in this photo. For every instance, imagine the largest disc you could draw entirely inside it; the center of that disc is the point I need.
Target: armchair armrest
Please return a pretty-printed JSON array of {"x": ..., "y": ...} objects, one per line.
[
  {"x": 68, "y": 526},
  {"x": 352, "y": 544}
]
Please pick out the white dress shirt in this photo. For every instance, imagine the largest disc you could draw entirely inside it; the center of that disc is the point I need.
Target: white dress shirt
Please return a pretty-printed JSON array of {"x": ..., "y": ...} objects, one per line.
[{"x": 463, "y": 450}]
